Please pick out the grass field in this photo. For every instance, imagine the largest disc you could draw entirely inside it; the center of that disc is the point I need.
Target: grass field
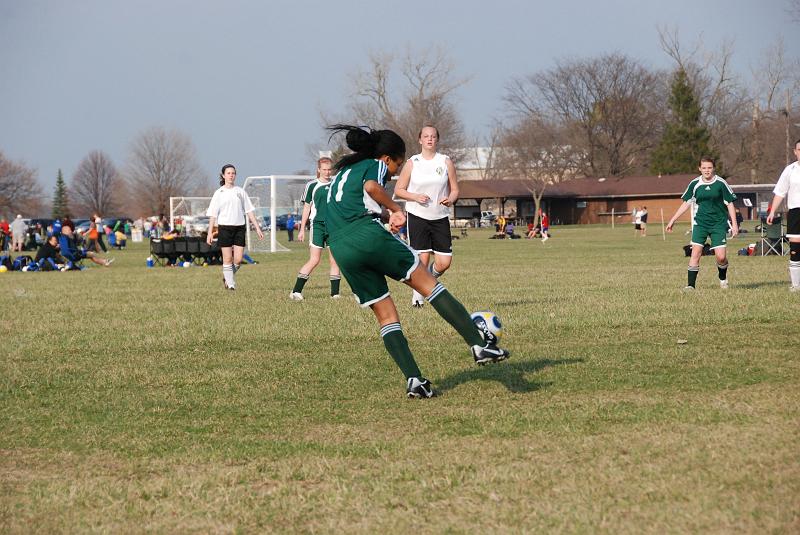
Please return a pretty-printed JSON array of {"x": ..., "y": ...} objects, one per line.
[{"x": 151, "y": 400}]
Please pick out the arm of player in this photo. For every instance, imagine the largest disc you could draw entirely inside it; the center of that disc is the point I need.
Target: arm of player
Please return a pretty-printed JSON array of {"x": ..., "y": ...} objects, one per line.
[
  {"x": 303, "y": 221},
  {"x": 396, "y": 217},
  {"x": 773, "y": 207},
  {"x": 679, "y": 212},
  {"x": 212, "y": 222},
  {"x": 401, "y": 188},
  {"x": 252, "y": 217},
  {"x": 452, "y": 182},
  {"x": 734, "y": 224}
]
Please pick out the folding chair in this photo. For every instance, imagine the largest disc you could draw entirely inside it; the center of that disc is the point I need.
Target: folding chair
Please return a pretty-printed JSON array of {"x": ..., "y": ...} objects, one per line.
[{"x": 772, "y": 238}]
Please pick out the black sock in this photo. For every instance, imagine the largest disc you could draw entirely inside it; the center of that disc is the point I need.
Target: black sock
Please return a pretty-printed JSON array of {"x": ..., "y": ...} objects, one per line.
[
  {"x": 455, "y": 314},
  {"x": 397, "y": 346},
  {"x": 302, "y": 278},
  {"x": 335, "y": 282},
  {"x": 693, "y": 271},
  {"x": 723, "y": 271}
]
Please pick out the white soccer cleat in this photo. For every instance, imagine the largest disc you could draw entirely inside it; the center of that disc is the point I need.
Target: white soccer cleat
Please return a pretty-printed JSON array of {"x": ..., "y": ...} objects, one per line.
[
  {"x": 296, "y": 296},
  {"x": 417, "y": 300},
  {"x": 337, "y": 296},
  {"x": 688, "y": 289},
  {"x": 723, "y": 284},
  {"x": 419, "y": 387},
  {"x": 794, "y": 289}
]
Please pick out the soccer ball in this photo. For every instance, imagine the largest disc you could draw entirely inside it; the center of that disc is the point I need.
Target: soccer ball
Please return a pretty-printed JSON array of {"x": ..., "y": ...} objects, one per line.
[
  {"x": 489, "y": 325},
  {"x": 3, "y": 269},
  {"x": 187, "y": 264}
]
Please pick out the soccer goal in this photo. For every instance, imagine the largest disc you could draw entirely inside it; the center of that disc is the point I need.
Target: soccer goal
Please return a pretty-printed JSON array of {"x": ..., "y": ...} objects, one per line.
[
  {"x": 274, "y": 198},
  {"x": 191, "y": 211}
]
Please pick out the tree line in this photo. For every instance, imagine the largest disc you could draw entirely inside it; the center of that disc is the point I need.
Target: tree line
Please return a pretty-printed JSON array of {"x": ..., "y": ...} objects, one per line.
[
  {"x": 162, "y": 163},
  {"x": 607, "y": 115}
]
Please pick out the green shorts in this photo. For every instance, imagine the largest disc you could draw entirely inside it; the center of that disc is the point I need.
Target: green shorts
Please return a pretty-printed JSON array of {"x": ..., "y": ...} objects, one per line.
[
  {"x": 319, "y": 235},
  {"x": 718, "y": 233},
  {"x": 366, "y": 254}
]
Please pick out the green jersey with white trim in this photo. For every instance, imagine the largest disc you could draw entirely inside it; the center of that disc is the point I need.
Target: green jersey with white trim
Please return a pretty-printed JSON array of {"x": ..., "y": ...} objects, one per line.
[
  {"x": 712, "y": 199},
  {"x": 347, "y": 200},
  {"x": 316, "y": 194}
]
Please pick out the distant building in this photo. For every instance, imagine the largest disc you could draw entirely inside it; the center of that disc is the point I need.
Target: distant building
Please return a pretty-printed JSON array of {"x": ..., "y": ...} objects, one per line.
[{"x": 596, "y": 200}]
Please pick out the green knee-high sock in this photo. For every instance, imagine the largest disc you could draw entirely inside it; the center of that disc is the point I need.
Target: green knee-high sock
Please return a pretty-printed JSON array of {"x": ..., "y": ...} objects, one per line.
[
  {"x": 397, "y": 346},
  {"x": 455, "y": 314},
  {"x": 693, "y": 271},
  {"x": 302, "y": 278},
  {"x": 335, "y": 282}
]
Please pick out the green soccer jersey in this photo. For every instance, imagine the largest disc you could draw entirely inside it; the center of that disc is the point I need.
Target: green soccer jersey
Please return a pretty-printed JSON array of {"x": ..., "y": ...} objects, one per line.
[
  {"x": 712, "y": 199},
  {"x": 316, "y": 194},
  {"x": 347, "y": 200}
]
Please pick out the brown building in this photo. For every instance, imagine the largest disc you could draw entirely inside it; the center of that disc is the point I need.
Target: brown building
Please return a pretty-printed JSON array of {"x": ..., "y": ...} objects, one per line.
[{"x": 594, "y": 200}]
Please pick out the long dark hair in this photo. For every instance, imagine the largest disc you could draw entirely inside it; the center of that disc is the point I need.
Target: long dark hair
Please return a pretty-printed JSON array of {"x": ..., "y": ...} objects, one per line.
[
  {"x": 367, "y": 144},
  {"x": 222, "y": 173}
]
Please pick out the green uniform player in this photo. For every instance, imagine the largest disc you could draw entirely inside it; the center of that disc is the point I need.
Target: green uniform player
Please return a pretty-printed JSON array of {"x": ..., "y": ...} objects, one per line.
[
  {"x": 714, "y": 215},
  {"x": 314, "y": 200},
  {"x": 711, "y": 217},
  {"x": 367, "y": 253}
]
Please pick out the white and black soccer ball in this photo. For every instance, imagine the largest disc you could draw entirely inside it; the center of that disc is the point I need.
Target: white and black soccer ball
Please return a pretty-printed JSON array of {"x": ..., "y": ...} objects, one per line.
[{"x": 488, "y": 325}]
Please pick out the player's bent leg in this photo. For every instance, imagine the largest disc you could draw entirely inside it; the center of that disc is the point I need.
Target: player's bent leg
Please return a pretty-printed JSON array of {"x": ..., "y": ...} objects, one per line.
[
  {"x": 441, "y": 263},
  {"x": 417, "y": 298},
  {"x": 397, "y": 346}
]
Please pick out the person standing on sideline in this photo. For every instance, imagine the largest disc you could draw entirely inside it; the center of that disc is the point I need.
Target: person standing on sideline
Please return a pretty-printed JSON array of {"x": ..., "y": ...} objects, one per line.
[
  {"x": 545, "y": 227},
  {"x": 367, "y": 253},
  {"x": 428, "y": 184},
  {"x": 98, "y": 222},
  {"x": 714, "y": 199},
  {"x": 643, "y": 222},
  {"x": 315, "y": 198},
  {"x": 788, "y": 187},
  {"x": 18, "y": 230},
  {"x": 230, "y": 208},
  {"x": 5, "y": 233},
  {"x": 290, "y": 226}
]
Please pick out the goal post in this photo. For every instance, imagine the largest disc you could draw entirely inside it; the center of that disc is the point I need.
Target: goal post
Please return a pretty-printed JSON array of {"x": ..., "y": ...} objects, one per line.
[{"x": 274, "y": 198}]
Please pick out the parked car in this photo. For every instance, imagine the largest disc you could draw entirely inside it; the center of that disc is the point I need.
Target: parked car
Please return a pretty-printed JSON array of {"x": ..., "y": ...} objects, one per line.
[
  {"x": 195, "y": 225},
  {"x": 280, "y": 221},
  {"x": 487, "y": 218}
]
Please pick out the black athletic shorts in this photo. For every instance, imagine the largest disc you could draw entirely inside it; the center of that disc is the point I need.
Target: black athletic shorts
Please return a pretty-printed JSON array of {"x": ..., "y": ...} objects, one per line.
[
  {"x": 230, "y": 235},
  {"x": 429, "y": 236},
  {"x": 793, "y": 223}
]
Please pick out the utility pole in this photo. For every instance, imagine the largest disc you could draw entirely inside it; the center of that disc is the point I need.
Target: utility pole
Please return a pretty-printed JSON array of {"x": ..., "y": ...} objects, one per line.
[{"x": 755, "y": 155}]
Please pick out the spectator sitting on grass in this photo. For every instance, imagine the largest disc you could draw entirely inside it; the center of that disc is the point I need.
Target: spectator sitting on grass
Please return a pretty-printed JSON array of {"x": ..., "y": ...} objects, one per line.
[
  {"x": 73, "y": 254},
  {"x": 48, "y": 256}
]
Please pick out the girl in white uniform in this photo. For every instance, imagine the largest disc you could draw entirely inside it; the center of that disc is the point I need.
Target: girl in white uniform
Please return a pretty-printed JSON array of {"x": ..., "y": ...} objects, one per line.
[
  {"x": 429, "y": 186},
  {"x": 230, "y": 209},
  {"x": 788, "y": 187}
]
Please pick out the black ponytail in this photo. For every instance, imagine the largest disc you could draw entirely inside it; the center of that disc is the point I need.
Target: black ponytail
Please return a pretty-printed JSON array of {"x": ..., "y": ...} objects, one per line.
[
  {"x": 367, "y": 144},
  {"x": 222, "y": 173}
]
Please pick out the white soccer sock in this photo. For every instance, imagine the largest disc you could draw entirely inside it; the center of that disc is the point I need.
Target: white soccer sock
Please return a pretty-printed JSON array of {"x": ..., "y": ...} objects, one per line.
[
  {"x": 794, "y": 273},
  {"x": 227, "y": 274}
]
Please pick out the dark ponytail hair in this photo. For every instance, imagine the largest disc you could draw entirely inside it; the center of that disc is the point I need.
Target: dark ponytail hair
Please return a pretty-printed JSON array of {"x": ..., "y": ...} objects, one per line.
[
  {"x": 367, "y": 144},
  {"x": 222, "y": 173}
]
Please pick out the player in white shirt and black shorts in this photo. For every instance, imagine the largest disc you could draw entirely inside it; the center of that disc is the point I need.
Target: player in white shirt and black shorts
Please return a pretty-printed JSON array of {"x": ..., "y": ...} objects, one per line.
[
  {"x": 428, "y": 184},
  {"x": 788, "y": 187},
  {"x": 229, "y": 210}
]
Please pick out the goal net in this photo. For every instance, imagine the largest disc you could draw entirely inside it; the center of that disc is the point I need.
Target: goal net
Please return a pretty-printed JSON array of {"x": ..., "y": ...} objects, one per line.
[
  {"x": 274, "y": 198},
  {"x": 190, "y": 212}
]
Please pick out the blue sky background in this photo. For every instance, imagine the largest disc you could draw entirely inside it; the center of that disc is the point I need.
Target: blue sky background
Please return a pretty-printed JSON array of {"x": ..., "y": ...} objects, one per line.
[{"x": 247, "y": 79}]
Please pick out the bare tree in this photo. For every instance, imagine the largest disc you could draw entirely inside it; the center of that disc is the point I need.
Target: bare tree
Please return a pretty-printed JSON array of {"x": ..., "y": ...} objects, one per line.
[
  {"x": 538, "y": 151},
  {"x": 163, "y": 164},
  {"x": 96, "y": 185},
  {"x": 424, "y": 94},
  {"x": 19, "y": 190},
  {"x": 607, "y": 105}
]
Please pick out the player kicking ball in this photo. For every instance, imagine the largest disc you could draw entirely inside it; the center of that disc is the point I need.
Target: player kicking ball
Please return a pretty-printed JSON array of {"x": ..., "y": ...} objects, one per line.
[
  {"x": 367, "y": 253},
  {"x": 714, "y": 199}
]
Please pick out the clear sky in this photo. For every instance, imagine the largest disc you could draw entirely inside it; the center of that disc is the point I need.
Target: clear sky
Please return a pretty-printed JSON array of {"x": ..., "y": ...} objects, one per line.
[{"x": 247, "y": 79}]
